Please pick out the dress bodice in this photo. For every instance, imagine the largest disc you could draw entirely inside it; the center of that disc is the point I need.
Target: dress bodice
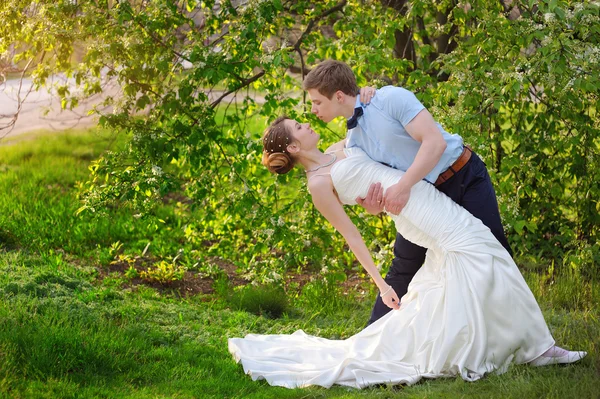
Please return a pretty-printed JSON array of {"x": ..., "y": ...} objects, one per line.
[
  {"x": 429, "y": 219},
  {"x": 353, "y": 175}
]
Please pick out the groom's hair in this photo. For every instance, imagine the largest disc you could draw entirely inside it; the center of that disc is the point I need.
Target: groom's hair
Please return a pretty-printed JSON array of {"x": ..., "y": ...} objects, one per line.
[{"x": 330, "y": 76}]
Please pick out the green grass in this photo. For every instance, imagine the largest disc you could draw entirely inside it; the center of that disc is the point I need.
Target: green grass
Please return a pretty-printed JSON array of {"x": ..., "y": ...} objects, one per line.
[
  {"x": 260, "y": 300},
  {"x": 69, "y": 328},
  {"x": 40, "y": 177}
]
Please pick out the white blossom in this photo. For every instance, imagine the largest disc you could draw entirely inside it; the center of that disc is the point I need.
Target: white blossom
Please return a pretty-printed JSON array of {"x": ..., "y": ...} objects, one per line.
[
  {"x": 276, "y": 276},
  {"x": 519, "y": 76},
  {"x": 156, "y": 170},
  {"x": 549, "y": 17},
  {"x": 546, "y": 41}
]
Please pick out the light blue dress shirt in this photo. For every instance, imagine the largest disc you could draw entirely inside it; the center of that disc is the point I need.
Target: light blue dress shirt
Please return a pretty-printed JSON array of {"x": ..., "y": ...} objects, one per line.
[{"x": 381, "y": 133}]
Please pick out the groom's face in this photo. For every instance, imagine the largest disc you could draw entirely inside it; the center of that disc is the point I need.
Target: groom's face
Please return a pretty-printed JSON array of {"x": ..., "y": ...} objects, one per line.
[{"x": 323, "y": 107}]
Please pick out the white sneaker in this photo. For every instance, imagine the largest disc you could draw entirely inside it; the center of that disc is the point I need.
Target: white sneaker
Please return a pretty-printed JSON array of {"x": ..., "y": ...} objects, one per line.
[{"x": 570, "y": 357}]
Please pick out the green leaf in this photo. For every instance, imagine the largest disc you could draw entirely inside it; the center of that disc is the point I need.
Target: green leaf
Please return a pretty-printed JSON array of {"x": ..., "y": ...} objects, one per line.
[
  {"x": 190, "y": 5},
  {"x": 560, "y": 13}
]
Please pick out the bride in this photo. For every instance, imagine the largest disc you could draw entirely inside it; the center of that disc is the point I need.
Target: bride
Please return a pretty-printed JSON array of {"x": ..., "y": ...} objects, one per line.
[{"x": 467, "y": 312}]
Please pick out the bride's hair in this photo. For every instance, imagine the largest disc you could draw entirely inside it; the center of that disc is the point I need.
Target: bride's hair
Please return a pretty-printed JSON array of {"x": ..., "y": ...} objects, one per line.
[{"x": 275, "y": 141}]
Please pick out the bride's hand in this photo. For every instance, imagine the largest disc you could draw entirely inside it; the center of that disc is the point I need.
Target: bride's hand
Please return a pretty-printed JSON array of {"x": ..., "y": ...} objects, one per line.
[
  {"x": 390, "y": 298},
  {"x": 366, "y": 94}
]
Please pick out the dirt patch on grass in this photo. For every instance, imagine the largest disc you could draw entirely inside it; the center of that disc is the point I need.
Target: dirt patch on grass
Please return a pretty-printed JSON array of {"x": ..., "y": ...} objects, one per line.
[
  {"x": 194, "y": 283},
  {"x": 191, "y": 284}
]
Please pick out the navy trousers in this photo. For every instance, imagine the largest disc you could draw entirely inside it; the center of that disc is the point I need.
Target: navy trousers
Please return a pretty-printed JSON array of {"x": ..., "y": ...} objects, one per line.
[{"x": 471, "y": 188}]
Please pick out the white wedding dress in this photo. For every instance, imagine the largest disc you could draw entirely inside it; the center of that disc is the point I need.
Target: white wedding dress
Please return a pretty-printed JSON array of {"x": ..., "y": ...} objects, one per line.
[{"x": 467, "y": 312}]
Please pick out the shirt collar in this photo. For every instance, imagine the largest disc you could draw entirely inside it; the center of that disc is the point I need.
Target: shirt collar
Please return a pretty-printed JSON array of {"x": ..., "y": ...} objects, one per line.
[{"x": 357, "y": 104}]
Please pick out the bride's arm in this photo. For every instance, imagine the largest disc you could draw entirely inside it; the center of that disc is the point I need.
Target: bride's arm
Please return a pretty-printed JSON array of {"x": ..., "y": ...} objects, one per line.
[{"x": 328, "y": 204}]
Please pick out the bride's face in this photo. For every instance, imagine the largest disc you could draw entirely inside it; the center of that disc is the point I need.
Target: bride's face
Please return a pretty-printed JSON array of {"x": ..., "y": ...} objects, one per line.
[{"x": 302, "y": 133}]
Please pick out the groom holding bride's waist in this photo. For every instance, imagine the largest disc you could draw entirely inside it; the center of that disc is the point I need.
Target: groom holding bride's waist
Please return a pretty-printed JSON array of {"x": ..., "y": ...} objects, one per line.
[{"x": 397, "y": 130}]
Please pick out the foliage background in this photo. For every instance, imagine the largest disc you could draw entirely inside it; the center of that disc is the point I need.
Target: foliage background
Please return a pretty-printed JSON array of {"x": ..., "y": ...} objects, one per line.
[{"x": 200, "y": 81}]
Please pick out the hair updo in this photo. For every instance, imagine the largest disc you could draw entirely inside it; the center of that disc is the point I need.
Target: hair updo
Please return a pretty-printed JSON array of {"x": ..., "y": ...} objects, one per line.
[{"x": 275, "y": 141}]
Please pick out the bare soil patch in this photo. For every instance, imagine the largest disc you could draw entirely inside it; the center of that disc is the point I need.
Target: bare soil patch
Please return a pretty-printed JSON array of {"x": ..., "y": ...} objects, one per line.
[{"x": 194, "y": 283}]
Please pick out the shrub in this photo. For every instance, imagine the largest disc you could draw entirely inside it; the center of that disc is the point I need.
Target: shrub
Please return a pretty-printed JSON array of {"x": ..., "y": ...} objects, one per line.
[{"x": 163, "y": 272}]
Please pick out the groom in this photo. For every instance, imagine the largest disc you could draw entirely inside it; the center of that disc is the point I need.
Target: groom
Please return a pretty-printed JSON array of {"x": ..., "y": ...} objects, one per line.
[{"x": 397, "y": 130}]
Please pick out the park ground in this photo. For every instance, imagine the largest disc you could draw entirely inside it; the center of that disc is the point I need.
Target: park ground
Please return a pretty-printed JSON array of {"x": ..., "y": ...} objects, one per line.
[{"x": 75, "y": 324}]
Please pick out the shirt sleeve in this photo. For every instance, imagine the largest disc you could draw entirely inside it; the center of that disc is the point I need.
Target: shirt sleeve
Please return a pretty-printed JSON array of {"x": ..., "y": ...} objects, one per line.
[{"x": 402, "y": 104}]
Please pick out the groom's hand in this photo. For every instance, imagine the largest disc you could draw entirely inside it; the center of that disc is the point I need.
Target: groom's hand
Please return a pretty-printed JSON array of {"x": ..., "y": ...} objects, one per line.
[
  {"x": 373, "y": 202},
  {"x": 396, "y": 197}
]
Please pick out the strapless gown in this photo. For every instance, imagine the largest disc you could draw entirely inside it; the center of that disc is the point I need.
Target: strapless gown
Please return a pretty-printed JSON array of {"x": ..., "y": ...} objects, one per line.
[{"x": 468, "y": 311}]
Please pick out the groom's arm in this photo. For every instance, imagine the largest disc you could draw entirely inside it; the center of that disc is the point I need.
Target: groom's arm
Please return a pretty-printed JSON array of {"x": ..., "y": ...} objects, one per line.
[
  {"x": 424, "y": 130},
  {"x": 404, "y": 106}
]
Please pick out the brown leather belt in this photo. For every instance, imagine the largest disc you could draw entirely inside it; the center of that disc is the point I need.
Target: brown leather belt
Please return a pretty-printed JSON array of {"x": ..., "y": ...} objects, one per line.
[{"x": 456, "y": 166}]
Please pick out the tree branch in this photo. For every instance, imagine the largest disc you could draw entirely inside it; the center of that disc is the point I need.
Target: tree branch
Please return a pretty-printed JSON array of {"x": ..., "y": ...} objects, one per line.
[
  {"x": 311, "y": 25},
  {"x": 160, "y": 42},
  {"x": 11, "y": 124},
  {"x": 243, "y": 84}
]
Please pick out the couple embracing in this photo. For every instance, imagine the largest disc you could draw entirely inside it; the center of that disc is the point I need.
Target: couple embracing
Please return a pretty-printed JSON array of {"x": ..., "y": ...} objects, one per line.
[{"x": 465, "y": 309}]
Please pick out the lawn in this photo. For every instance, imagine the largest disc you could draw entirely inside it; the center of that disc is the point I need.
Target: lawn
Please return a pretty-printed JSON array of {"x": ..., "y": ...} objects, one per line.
[{"x": 73, "y": 325}]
